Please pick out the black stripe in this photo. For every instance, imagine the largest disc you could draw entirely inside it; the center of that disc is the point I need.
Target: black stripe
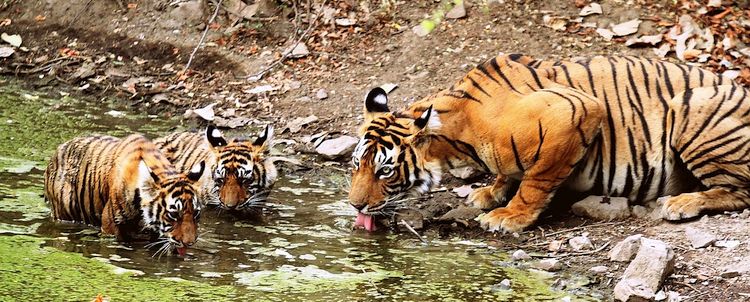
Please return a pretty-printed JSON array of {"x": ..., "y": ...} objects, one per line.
[{"x": 515, "y": 153}]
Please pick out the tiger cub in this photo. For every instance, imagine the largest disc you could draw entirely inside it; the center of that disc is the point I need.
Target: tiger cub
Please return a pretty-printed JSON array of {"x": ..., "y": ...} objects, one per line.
[
  {"x": 239, "y": 175},
  {"x": 124, "y": 186}
]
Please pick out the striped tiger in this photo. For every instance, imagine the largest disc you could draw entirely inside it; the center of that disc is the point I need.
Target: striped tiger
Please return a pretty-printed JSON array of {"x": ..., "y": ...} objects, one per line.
[
  {"x": 239, "y": 177},
  {"x": 618, "y": 126},
  {"x": 124, "y": 186}
]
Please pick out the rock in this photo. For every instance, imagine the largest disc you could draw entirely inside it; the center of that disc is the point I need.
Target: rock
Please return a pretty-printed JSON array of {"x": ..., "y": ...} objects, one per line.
[
  {"x": 296, "y": 51},
  {"x": 321, "y": 94},
  {"x": 727, "y": 244},
  {"x": 189, "y": 12},
  {"x": 502, "y": 286},
  {"x": 699, "y": 238},
  {"x": 555, "y": 245},
  {"x": 549, "y": 264},
  {"x": 261, "y": 89},
  {"x": 463, "y": 215},
  {"x": 745, "y": 214},
  {"x": 599, "y": 269},
  {"x": 457, "y": 12},
  {"x": 413, "y": 217},
  {"x": 644, "y": 275},
  {"x": 206, "y": 113},
  {"x": 602, "y": 208},
  {"x": 626, "y": 249},
  {"x": 646, "y": 212},
  {"x": 296, "y": 124},
  {"x": 736, "y": 269},
  {"x": 14, "y": 40},
  {"x": 519, "y": 255},
  {"x": 580, "y": 243},
  {"x": 340, "y": 146},
  {"x": 6, "y": 51}
]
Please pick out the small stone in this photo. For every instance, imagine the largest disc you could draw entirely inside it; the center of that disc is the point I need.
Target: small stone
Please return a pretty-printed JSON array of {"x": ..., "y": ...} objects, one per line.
[
  {"x": 645, "y": 274},
  {"x": 660, "y": 296},
  {"x": 727, "y": 244},
  {"x": 626, "y": 249},
  {"x": 602, "y": 208},
  {"x": 555, "y": 245},
  {"x": 673, "y": 296},
  {"x": 519, "y": 255},
  {"x": 296, "y": 125},
  {"x": 699, "y": 238},
  {"x": 321, "y": 94},
  {"x": 337, "y": 147},
  {"x": 502, "y": 286},
  {"x": 736, "y": 269},
  {"x": 549, "y": 264},
  {"x": 599, "y": 269},
  {"x": 745, "y": 214},
  {"x": 457, "y": 12},
  {"x": 580, "y": 243}
]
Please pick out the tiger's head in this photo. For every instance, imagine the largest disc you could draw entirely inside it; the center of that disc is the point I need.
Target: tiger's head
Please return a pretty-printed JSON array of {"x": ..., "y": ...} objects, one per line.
[
  {"x": 243, "y": 175},
  {"x": 390, "y": 162},
  {"x": 170, "y": 206}
]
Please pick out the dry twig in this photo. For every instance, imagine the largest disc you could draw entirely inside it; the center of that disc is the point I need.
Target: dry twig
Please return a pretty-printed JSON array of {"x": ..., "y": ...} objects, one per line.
[
  {"x": 411, "y": 229},
  {"x": 203, "y": 37}
]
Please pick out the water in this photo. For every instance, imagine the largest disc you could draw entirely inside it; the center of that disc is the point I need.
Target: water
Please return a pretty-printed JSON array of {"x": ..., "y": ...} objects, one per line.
[{"x": 301, "y": 249}]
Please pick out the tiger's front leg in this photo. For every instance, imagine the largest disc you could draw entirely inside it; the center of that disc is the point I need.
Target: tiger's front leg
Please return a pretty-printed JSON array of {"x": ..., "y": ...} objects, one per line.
[
  {"x": 545, "y": 157},
  {"x": 490, "y": 197}
]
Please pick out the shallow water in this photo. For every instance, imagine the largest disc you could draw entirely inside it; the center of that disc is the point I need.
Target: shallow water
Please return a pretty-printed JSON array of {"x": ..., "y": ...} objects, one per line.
[{"x": 302, "y": 248}]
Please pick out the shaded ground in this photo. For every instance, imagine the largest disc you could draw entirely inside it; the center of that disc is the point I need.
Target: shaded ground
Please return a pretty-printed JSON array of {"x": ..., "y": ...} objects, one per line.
[{"x": 137, "y": 54}]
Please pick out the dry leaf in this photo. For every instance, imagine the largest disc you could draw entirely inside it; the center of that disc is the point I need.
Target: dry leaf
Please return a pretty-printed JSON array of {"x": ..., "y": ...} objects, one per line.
[
  {"x": 556, "y": 23},
  {"x": 591, "y": 9},
  {"x": 605, "y": 33},
  {"x": 132, "y": 5},
  {"x": 14, "y": 40},
  {"x": 5, "y": 22},
  {"x": 463, "y": 191},
  {"x": 626, "y": 28},
  {"x": 40, "y": 18}
]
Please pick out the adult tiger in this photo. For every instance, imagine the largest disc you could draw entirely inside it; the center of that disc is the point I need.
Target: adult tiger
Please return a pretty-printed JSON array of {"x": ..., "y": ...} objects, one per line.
[
  {"x": 239, "y": 177},
  {"x": 517, "y": 122},
  {"x": 124, "y": 186}
]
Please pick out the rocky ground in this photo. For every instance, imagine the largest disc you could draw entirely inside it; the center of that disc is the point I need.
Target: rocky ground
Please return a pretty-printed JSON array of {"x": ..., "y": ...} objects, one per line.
[{"x": 306, "y": 68}]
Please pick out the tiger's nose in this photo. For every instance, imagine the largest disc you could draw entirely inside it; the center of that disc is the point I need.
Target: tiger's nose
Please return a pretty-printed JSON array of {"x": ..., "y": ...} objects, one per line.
[{"x": 359, "y": 207}]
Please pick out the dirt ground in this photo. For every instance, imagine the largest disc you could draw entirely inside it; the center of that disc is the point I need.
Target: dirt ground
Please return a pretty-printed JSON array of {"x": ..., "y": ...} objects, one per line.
[{"x": 136, "y": 52}]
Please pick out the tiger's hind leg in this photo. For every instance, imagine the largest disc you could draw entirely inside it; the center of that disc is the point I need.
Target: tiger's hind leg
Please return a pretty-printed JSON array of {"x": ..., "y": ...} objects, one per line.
[
  {"x": 715, "y": 149},
  {"x": 490, "y": 197},
  {"x": 689, "y": 205}
]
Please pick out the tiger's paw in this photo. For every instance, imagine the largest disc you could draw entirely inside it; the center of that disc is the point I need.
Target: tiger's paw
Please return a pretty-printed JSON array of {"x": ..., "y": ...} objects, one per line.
[
  {"x": 680, "y": 207},
  {"x": 481, "y": 198},
  {"x": 506, "y": 219}
]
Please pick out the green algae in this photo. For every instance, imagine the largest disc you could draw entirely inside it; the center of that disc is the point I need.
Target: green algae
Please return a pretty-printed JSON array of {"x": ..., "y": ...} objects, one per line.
[{"x": 30, "y": 272}]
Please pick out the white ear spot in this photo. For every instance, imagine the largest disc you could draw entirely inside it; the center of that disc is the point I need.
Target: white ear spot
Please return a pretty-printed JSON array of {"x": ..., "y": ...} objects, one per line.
[
  {"x": 196, "y": 168},
  {"x": 381, "y": 99},
  {"x": 216, "y": 133},
  {"x": 144, "y": 174},
  {"x": 434, "y": 122}
]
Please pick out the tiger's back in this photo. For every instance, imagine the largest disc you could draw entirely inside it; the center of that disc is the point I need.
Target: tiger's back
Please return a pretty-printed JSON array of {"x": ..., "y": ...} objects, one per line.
[{"x": 632, "y": 157}]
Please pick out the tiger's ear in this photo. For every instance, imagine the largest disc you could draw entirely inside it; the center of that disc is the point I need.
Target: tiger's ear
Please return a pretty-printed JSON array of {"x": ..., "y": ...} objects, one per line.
[
  {"x": 215, "y": 137},
  {"x": 428, "y": 120},
  {"x": 196, "y": 172},
  {"x": 376, "y": 101},
  {"x": 146, "y": 177},
  {"x": 265, "y": 137}
]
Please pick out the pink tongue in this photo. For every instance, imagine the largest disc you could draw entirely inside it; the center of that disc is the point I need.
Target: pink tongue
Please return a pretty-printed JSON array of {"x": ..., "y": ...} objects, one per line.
[
  {"x": 365, "y": 221},
  {"x": 181, "y": 251}
]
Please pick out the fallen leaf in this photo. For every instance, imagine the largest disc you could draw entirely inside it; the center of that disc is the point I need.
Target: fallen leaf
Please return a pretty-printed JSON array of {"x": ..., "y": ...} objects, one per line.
[
  {"x": 14, "y": 40},
  {"x": 556, "y": 23},
  {"x": 206, "y": 113},
  {"x": 40, "y": 18},
  {"x": 463, "y": 191},
  {"x": 297, "y": 51},
  {"x": 389, "y": 87},
  {"x": 345, "y": 22},
  {"x": 132, "y": 5},
  {"x": 5, "y": 22},
  {"x": 626, "y": 28},
  {"x": 663, "y": 50},
  {"x": 605, "y": 33},
  {"x": 261, "y": 89},
  {"x": 591, "y": 9},
  {"x": 643, "y": 41}
]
